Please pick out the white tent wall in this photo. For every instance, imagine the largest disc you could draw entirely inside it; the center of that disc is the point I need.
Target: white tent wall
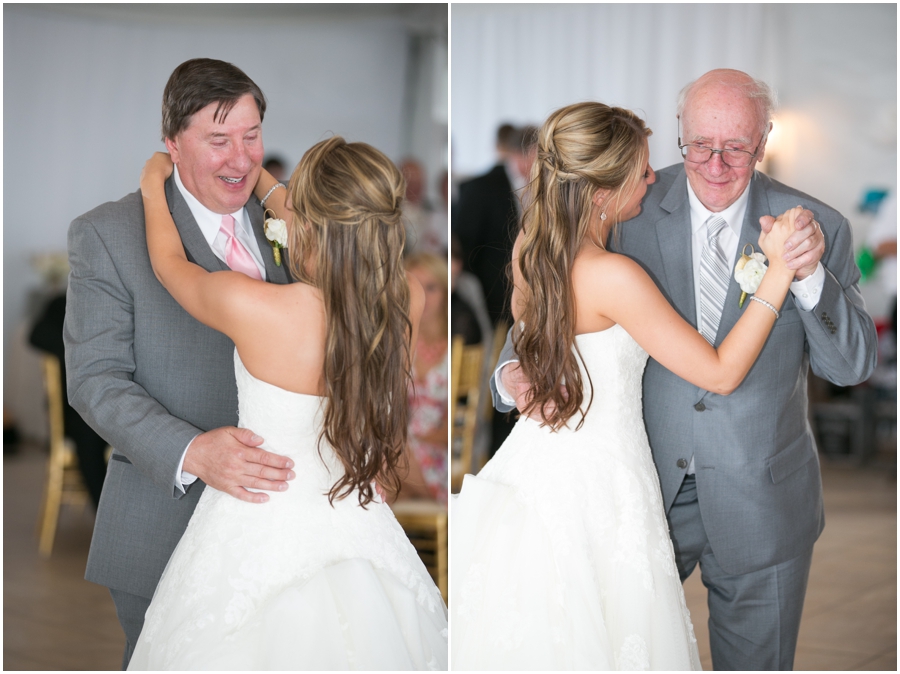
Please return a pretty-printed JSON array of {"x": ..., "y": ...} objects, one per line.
[{"x": 833, "y": 65}]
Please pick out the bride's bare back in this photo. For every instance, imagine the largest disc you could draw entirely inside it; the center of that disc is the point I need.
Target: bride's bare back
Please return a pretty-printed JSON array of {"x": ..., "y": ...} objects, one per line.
[{"x": 279, "y": 330}]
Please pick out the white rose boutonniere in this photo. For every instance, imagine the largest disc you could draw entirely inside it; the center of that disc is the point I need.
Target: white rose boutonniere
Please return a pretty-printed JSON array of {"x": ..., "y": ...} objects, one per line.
[
  {"x": 276, "y": 233},
  {"x": 749, "y": 272}
]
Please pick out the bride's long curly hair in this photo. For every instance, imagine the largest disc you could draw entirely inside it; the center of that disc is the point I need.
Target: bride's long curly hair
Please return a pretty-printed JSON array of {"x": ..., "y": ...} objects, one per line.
[
  {"x": 581, "y": 148},
  {"x": 347, "y": 240}
]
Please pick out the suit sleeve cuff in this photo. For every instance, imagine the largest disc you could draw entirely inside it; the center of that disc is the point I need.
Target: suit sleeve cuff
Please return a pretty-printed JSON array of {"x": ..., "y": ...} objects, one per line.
[
  {"x": 182, "y": 477},
  {"x": 498, "y": 382},
  {"x": 808, "y": 291}
]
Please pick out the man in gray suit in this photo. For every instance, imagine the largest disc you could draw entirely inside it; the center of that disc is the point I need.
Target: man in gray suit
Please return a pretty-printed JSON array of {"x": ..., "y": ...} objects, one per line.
[
  {"x": 740, "y": 474},
  {"x": 156, "y": 384}
]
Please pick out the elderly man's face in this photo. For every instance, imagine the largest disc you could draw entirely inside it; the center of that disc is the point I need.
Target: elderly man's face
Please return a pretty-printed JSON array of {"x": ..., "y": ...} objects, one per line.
[
  {"x": 219, "y": 162},
  {"x": 720, "y": 117}
]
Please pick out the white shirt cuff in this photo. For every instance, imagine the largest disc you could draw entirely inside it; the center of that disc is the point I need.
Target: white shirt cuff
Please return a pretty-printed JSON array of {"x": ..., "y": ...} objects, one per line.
[
  {"x": 186, "y": 477},
  {"x": 808, "y": 291},
  {"x": 501, "y": 389}
]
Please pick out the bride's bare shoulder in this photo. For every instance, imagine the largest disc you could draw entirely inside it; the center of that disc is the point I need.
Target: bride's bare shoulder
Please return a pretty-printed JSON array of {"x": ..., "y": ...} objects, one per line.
[{"x": 601, "y": 268}]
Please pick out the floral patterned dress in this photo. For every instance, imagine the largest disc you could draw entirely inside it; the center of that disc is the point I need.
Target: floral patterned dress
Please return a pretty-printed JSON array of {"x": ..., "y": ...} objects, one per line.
[{"x": 428, "y": 410}]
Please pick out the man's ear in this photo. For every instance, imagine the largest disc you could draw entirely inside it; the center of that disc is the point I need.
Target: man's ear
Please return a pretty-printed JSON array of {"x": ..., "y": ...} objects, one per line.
[
  {"x": 172, "y": 149},
  {"x": 761, "y": 152}
]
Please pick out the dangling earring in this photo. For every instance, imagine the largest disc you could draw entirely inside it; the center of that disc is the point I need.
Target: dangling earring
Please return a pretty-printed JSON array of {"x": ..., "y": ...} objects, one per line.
[{"x": 602, "y": 215}]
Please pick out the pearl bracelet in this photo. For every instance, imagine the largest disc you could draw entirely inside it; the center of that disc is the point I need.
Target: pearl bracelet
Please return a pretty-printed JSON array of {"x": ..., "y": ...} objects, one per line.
[
  {"x": 262, "y": 202},
  {"x": 767, "y": 305}
]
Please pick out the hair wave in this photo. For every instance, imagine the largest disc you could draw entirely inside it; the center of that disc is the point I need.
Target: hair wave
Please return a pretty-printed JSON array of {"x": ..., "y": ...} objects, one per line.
[
  {"x": 581, "y": 148},
  {"x": 347, "y": 198}
]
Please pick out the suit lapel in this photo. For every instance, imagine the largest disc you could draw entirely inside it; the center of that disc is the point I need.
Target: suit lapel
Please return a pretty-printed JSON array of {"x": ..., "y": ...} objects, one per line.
[
  {"x": 674, "y": 235},
  {"x": 195, "y": 244},
  {"x": 757, "y": 206},
  {"x": 198, "y": 249},
  {"x": 274, "y": 273}
]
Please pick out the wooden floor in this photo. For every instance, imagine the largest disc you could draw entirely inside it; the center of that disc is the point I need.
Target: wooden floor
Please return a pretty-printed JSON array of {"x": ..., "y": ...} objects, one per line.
[{"x": 53, "y": 619}]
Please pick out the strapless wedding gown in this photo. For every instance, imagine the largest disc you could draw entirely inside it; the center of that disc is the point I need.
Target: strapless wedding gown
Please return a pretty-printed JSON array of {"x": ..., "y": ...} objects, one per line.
[
  {"x": 293, "y": 584},
  {"x": 560, "y": 551}
]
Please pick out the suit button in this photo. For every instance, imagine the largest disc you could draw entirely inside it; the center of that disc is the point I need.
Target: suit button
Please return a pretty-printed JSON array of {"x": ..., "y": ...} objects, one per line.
[
  {"x": 699, "y": 407},
  {"x": 833, "y": 330},
  {"x": 681, "y": 463}
]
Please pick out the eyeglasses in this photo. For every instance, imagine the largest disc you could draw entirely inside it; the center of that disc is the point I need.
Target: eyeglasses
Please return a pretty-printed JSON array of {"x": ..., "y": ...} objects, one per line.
[{"x": 700, "y": 154}]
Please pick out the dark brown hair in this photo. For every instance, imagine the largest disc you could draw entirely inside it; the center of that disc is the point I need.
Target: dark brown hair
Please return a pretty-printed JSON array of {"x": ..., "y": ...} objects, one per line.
[
  {"x": 199, "y": 82},
  {"x": 581, "y": 148},
  {"x": 346, "y": 200}
]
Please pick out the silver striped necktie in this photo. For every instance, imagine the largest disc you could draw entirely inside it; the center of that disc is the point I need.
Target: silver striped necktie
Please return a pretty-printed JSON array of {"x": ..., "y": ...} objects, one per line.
[{"x": 714, "y": 280}]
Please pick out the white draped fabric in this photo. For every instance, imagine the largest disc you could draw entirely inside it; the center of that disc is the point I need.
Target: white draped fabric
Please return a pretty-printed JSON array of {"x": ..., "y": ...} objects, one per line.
[
  {"x": 834, "y": 67},
  {"x": 518, "y": 63}
]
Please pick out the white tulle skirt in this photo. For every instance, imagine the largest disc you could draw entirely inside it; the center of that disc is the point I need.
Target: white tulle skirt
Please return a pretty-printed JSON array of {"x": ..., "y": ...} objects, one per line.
[
  {"x": 296, "y": 583},
  {"x": 557, "y": 566}
]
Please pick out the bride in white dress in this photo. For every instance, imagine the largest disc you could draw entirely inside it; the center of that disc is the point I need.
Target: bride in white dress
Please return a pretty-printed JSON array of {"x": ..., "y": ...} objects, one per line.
[
  {"x": 320, "y": 575},
  {"x": 560, "y": 551}
]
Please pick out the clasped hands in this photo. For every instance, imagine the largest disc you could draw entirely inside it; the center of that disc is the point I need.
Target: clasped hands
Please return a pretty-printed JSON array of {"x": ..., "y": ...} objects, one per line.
[
  {"x": 802, "y": 252},
  {"x": 804, "y": 247}
]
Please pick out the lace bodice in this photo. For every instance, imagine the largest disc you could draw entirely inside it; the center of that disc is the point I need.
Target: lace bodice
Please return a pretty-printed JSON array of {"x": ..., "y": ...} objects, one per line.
[
  {"x": 612, "y": 366},
  {"x": 290, "y": 423}
]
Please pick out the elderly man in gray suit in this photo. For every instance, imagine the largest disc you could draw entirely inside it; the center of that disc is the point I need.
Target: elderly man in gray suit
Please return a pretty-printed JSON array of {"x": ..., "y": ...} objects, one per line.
[
  {"x": 739, "y": 474},
  {"x": 155, "y": 383}
]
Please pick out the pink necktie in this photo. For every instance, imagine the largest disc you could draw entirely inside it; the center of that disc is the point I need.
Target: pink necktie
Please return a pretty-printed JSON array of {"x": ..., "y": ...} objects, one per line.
[{"x": 236, "y": 256}]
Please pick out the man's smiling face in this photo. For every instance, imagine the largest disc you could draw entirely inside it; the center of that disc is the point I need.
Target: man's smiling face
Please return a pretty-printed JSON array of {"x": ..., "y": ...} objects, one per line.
[
  {"x": 219, "y": 162},
  {"x": 721, "y": 117}
]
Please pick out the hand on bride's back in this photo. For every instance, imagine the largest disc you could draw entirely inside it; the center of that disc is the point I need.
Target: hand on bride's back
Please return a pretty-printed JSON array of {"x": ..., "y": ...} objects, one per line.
[
  {"x": 519, "y": 388},
  {"x": 229, "y": 459}
]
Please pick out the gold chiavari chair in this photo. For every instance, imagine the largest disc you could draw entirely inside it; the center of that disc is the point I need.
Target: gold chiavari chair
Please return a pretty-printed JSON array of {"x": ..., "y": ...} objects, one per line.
[
  {"x": 63, "y": 483},
  {"x": 425, "y": 523},
  {"x": 465, "y": 388}
]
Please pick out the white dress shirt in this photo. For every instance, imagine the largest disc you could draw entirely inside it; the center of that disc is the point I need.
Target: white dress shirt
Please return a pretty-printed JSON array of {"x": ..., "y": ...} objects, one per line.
[
  {"x": 210, "y": 224},
  {"x": 806, "y": 292}
]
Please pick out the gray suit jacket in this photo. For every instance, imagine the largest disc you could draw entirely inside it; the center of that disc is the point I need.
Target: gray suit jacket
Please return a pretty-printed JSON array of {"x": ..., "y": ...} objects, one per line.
[
  {"x": 147, "y": 377},
  {"x": 758, "y": 480}
]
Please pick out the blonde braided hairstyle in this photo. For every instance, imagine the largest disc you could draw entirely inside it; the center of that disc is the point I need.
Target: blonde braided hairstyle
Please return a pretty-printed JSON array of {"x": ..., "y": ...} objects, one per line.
[
  {"x": 582, "y": 148},
  {"x": 347, "y": 198}
]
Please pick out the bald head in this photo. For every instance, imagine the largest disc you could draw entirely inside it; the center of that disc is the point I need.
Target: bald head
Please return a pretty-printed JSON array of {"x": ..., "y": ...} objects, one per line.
[
  {"x": 724, "y": 110},
  {"x": 758, "y": 95}
]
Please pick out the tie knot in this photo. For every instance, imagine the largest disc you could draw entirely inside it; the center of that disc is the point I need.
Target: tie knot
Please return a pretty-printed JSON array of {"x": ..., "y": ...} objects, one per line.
[
  {"x": 714, "y": 227},
  {"x": 228, "y": 225}
]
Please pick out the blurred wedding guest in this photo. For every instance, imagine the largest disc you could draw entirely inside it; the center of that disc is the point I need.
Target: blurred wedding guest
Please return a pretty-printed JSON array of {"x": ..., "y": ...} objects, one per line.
[
  {"x": 439, "y": 222},
  {"x": 277, "y": 167},
  {"x": 428, "y": 403},
  {"x": 463, "y": 317},
  {"x": 469, "y": 318},
  {"x": 526, "y": 151},
  {"x": 90, "y": 448},
  {"x": 416, "y": 212},
  {"x": 882, "y": 240},
  {"x": 486, "y": 217}
]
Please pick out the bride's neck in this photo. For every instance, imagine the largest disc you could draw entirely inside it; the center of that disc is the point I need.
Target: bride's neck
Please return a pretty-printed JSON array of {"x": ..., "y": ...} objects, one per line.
[{"x": 598, "y": 230}]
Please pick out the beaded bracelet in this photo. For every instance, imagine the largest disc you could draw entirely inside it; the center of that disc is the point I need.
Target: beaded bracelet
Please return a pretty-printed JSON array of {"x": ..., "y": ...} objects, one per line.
[
  {"x": 274, "y": 187},
  {"x": 767, "y": 305}
]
